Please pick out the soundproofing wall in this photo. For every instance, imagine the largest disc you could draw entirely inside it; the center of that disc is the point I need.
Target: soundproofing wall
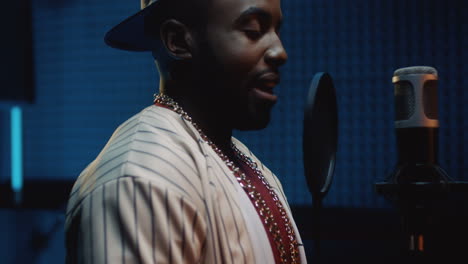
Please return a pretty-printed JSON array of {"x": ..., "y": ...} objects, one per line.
[{"x": 85, "y": 89}]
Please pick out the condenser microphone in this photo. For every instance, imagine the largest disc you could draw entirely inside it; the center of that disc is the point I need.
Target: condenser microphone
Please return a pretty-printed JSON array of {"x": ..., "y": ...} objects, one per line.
[
  {"x": 416, "y": 115},
  {"x": 416, "y": 124}
]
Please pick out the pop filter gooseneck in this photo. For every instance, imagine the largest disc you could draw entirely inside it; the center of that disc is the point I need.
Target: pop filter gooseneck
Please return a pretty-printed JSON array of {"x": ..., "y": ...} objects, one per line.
[{"x": 320, "y": 140}]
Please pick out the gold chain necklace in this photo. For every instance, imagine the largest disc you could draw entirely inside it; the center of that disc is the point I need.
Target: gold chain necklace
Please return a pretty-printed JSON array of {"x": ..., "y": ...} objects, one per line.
[{"x": 257, "y": 199}]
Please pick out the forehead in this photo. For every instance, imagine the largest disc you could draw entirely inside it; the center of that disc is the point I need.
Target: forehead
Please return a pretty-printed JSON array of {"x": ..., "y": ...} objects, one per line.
[{"x": 229, "y": 10}]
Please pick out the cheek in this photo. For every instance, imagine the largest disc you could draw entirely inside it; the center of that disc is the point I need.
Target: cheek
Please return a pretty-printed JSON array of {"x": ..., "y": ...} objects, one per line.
[{"x": 236, "y": 54}]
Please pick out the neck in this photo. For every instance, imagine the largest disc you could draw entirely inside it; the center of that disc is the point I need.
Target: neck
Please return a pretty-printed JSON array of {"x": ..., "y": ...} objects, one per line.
[{"x": 204, "y": 113}]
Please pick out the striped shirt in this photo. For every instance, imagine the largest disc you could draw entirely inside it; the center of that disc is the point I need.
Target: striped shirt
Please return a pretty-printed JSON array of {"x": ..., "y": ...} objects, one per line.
[{"x": 157, "y": 193}]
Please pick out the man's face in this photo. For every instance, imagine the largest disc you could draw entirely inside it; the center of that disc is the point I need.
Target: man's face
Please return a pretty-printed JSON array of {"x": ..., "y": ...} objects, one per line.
[{"x": 239, "y": 55}]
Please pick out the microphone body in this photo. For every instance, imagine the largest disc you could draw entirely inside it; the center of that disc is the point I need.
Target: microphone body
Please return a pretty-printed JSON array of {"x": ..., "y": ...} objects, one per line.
[{"x": 416, "y": 125}]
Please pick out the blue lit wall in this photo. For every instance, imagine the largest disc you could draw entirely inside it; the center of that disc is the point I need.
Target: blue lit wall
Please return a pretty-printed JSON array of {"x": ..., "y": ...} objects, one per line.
[
  {"x": 361, "y": 43},
  {"x": 84, "y": 90}
]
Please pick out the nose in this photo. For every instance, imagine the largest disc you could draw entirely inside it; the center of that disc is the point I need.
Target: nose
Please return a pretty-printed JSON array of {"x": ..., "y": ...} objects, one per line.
[{"x": 276, "y": 54}]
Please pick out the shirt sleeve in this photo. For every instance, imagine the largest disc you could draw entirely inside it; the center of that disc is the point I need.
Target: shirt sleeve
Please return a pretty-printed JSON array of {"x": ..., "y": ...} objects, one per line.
[{"x": 136, "y": 220}]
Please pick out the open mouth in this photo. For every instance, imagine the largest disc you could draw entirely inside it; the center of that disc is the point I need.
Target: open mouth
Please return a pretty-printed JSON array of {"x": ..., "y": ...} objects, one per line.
[
  {"x": 267, "y": 81},
  {"x": 263, "y": 87}
]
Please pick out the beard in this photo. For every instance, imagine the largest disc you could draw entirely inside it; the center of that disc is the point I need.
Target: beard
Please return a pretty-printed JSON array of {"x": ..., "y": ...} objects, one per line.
[{"x": 224, "y": 90}]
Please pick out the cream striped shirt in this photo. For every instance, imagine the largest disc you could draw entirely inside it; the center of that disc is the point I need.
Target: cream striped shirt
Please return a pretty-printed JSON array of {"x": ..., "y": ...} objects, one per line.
[{"x": 157, "y": 193}]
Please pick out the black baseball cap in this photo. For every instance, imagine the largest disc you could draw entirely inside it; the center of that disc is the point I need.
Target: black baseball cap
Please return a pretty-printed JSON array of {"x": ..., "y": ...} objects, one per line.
[{"x": 132, "y": 33}]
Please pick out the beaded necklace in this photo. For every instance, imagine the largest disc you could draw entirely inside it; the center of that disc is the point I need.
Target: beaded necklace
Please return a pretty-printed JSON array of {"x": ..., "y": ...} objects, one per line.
[{"x": 263, "y": 210}]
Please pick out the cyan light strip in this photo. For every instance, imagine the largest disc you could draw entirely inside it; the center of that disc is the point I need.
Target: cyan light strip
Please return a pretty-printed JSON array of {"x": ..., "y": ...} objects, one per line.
[{"x": 16, "y": 149}]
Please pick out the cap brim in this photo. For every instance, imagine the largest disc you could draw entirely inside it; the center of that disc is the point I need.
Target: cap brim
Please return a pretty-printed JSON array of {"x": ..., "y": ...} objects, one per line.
[{"x": 130, "y": 34}]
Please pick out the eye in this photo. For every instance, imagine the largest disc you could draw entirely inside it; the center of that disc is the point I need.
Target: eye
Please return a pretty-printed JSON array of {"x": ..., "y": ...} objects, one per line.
[
  {"x": 253, "y": 34},
  {"x": 253, "y": 28}
]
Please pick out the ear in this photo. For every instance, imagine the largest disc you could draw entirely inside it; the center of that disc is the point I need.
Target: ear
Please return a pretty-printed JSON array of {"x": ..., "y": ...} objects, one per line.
[{"x": 177, "y": 39}]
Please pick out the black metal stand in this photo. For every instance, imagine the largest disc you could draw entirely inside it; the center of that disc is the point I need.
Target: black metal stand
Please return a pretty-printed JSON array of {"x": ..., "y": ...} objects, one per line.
[
  {"x": 422, "y": 207},
  {"x": 317, "y": 210}
]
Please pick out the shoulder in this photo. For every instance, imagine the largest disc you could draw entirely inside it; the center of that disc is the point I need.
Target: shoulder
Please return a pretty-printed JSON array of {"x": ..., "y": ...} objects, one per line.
[{"x": 154, "y": 145}]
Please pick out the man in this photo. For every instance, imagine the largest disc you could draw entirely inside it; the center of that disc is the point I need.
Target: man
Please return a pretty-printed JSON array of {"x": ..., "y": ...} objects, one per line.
[{"x": 172, "y": 185}]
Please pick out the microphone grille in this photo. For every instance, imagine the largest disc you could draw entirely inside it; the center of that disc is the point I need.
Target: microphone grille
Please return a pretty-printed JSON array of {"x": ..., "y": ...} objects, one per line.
[
  {"x": 415, "y": 70},
  {"x": 405, "y": 101}
]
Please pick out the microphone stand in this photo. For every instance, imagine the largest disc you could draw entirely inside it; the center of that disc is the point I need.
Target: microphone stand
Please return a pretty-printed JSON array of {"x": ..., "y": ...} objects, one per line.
[
  {"x": 317, "y": 207},
  {"x": 418, "y": 204}
]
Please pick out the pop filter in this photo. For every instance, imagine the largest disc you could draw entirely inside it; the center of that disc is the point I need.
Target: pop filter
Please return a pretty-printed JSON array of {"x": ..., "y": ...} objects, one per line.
[
  {"x": 319, "y": 144},
  {"x": 320, "y": 135}
]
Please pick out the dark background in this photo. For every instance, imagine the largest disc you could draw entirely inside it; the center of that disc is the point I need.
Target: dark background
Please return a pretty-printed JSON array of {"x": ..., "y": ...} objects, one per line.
[
  {"x": 83, "y": 90},
  {"x": 16, "y": 49}
]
